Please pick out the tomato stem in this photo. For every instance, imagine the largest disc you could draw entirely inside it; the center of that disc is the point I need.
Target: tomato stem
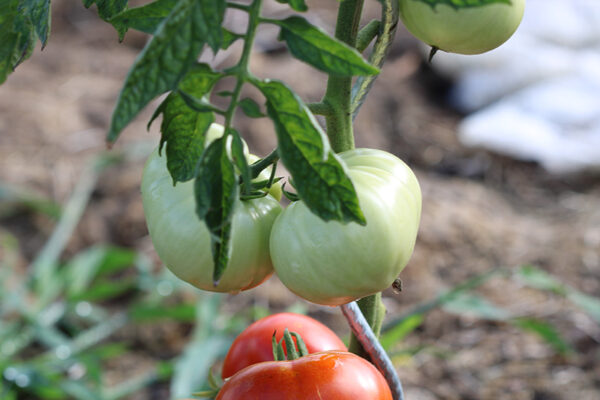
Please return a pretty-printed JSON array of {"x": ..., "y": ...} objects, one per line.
[
  {"x": 387, "y": 28},
  {"x": 241, "y": 69},
  {"x": 338, "y": 100},
  {"x": 367, "y": 34},
  {"x": 339, "y": 88}
]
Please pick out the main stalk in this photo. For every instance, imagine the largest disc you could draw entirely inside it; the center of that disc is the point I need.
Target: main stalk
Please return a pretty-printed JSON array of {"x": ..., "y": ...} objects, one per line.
[{"x": 338, "y": 98}]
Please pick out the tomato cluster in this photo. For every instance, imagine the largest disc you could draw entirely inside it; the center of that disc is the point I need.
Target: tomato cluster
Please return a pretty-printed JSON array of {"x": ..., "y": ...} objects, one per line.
[
  {"x": 328, "y": 372},
  {"x": 328, "y": 263}
]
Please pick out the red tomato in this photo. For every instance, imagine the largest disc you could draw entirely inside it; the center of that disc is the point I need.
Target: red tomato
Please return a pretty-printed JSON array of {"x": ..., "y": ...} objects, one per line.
[
  {"x": 330, "y": 375},
  {"x": 254, "y": 344}
]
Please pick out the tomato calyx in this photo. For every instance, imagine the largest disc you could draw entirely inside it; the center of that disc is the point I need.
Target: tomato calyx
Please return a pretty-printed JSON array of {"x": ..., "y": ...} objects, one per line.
[
  {"x": 295, "y": 350},
  {"x": 291, "y": 196}
]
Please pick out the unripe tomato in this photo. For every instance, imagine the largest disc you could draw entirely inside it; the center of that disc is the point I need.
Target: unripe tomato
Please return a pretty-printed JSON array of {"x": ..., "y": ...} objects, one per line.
[
  {"x": 330, "y": 375},
  {"x": 182, "y": 241},
  {"x": 254, "y": 344},
  {"x": 331, "y": 263},
  {"x": 464, "y": 30}
]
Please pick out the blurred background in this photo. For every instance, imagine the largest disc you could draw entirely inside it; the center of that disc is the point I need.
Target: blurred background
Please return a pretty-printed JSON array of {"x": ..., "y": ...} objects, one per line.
[{"x": 501, "y": 299}]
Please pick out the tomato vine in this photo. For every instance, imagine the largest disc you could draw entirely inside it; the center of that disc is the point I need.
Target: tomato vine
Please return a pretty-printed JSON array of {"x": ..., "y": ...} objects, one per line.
[{"x": 217, "y": 173}]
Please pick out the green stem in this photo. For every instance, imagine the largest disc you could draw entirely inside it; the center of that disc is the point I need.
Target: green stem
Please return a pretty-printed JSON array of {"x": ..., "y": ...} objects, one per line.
[
  {"x": 338, "y": 99},
  {"x": 374, "y": 311},
  {"x": 367, "y": 34},
  {"x": 257, "y": 167},
  {"x": 339, "y": 88},
  {"x": 241, "y": 69},
  {"x": 320, "y": 108}
]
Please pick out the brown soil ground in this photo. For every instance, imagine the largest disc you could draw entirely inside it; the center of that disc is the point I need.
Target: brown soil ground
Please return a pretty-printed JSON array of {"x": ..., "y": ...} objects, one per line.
[{"x": 480, "y": 211}]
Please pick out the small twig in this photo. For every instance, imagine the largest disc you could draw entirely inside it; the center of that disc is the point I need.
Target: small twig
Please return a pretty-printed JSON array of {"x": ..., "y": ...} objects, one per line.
[
  {"x": 361, "y": 329},
  {"x": 367, "y": 34},
  {"x": 257, "y": 167},
  {"x": 389, "y": 22},
  {"x": 320, "y": 108}
]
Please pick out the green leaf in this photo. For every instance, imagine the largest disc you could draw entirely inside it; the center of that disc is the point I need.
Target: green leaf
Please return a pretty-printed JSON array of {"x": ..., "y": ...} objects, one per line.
[
  {"x": 239, "y": 159},
  {"x": 146, "y": 18},
  {"x": 297, "y": 5},
  {"x": 106, "y": 290},
  {"x": 463, "y": 3},
  {"x": 38, "y": 12},
  {"x": 216, "y": 191},
  {"x": 86, "y": 266},
  {"x": 468, "y": 303},
  {"x": 398, "y": 332},
  {"x": 184, "y": 129},
  {"x": 589, "y": 304},
  {"x": 107, "y": 8},
  {"x": 319, "y": 176},
  {"x": 167, "y": 57},
  {"x": 250, "y": 108},
  {"x": 545, "y": 331},
  {"x": 539, "y": 279},
  {"x": 228, "y": 38},
  {"x": 179, "y": 312},
  {"x": 17, "y": 37},
  {"x": 315, "y": 47}
]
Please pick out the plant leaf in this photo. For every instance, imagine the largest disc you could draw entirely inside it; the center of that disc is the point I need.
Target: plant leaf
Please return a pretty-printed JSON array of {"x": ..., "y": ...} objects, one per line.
[
  {"x": 539, "y": 279},
  {"x": 184, "y": 129},
  {"x": 545, "y": 331},
  {"x": 250, "y": 108},
  {"x": 398, "y": 332},
  {"x": 107, "y": 8},
  {"x": 589, "y": 304},
  {"x": 468, "y": 303},
  {"x": 239, "y": 159},
  {"x": 167, "y": 57},
  {"x": 216, "y": 192},
  {"x": 462, "y": 3},
  {"x": 318, "y": 175},
  {"x": 17, "y": 37},
  {"x": 150, "y": 313},
  {"x": 297, "y": 5},
  {"x": 228, "y": 38},
  {"x": 146, "y": 18},
  {"x": 38, "y": 12},
  {"x": 315, "y": 47}
]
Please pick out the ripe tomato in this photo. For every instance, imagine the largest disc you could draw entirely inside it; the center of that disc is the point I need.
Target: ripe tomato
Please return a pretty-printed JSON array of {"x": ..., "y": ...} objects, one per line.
[
  {"x": 465, "y": 30},
  {"x": 254, "y": 344},
  {"x": 331, "y": 263},
  {"x": 182, "y": 241},
  {"x": 328, "y": 375}
]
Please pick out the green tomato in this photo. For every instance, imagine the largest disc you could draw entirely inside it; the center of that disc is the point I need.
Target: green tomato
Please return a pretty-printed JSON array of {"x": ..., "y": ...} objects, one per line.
[
  {"x": 182, "y": 241},
  {"x": 471, "y": 30},
  {"x": 331, "y": 263}
]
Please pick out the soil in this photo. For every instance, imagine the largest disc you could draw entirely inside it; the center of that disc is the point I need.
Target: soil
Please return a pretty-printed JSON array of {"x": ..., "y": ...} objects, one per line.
[{"x": 480, "y": 211}]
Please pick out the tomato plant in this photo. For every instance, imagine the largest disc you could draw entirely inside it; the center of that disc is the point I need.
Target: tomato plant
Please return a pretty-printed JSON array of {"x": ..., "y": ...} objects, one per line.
[
  {"x": 354, "y": 225},
  {"x": 332, "y": 263},
  {"x": 253, "y": 345},
  {"x": 183, "y": 242},
  {"x": 464, "y": 30}
]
